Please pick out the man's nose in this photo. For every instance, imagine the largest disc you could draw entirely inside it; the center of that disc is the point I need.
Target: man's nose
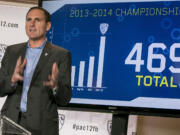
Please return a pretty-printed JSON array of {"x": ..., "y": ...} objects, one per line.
[{"x": 32, "y": 22}]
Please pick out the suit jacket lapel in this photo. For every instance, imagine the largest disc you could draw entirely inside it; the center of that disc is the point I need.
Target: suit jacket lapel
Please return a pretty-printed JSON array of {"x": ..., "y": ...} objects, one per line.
[
  {"x": 23, "y": 51},
  {"x": 45, "y": 55}
]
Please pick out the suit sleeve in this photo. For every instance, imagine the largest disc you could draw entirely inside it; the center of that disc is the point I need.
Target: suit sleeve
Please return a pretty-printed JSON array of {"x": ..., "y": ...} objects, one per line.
[
  {"x": 5, "y": 77},
  {"x": 64, "y": 91}
]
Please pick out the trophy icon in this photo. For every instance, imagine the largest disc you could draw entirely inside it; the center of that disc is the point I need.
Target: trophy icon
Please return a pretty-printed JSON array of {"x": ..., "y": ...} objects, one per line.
[{"x": 104, "y": 28}]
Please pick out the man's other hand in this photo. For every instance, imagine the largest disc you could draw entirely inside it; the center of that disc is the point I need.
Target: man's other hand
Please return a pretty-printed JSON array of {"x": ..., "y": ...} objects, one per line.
[{"x": 53, "y": 77}]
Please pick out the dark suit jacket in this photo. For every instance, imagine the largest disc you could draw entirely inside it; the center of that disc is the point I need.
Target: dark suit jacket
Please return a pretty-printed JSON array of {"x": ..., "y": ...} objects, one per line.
[{"x": 42, "y": 116}]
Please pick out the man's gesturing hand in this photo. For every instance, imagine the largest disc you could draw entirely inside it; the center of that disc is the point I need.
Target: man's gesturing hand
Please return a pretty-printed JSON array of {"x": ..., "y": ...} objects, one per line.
[
  {"x": 53, "y": 78},
  {"x": 18, "y": 71}
]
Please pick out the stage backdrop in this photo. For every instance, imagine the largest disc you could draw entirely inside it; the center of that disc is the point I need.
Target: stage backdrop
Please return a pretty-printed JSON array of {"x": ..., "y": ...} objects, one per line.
[
  {"x": 84, "y": 123},
  {"x": 12, "y": 28}
]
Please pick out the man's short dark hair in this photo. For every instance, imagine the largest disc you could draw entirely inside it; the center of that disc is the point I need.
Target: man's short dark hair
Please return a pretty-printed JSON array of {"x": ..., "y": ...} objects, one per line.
[{"x": 46, "y": 13}]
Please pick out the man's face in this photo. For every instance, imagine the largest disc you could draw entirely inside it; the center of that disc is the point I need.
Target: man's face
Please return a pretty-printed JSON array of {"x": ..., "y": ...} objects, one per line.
[{"x": 36, "y": 25}]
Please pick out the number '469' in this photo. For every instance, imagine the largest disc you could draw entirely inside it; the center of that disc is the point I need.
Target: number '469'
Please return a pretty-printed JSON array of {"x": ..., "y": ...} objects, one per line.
[{"x": 138, "y": 62}]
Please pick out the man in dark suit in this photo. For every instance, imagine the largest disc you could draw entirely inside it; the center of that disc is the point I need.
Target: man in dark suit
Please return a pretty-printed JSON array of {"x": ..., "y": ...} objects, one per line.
[{"x": 36, "y": 78}]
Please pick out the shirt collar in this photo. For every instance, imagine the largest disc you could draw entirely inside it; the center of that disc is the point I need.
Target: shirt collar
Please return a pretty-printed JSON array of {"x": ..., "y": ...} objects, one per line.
[{"x": 40, "y": 47}]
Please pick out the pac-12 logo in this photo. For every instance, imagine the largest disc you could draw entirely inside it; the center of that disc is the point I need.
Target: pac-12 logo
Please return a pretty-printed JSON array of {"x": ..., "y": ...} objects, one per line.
[{"x": 61, "y": 121}]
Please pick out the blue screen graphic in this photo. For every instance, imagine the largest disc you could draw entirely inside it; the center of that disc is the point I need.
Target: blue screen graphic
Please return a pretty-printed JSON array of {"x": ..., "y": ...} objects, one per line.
[{"x": 123, "y": 53}]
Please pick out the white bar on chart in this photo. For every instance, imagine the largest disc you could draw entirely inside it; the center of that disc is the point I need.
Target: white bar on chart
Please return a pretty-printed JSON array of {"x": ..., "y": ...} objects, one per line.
[
  {"x": 73, "y": 70},
  {"x": 81, "y": 73},
  {"x": 101, "y": 61},
  {"x": 90, "y": 71}
]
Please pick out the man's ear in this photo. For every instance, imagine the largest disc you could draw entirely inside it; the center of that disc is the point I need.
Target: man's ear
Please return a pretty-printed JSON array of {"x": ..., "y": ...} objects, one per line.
[{"x": 48, "y": 26}]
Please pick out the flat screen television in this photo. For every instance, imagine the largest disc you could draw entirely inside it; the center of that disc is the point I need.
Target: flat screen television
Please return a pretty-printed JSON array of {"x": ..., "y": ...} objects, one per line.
[{"x": 125, "y": 53}]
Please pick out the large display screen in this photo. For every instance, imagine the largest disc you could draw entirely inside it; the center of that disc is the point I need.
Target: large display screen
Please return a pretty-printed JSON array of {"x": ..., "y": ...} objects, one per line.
[{"x": 124, "y": 52}]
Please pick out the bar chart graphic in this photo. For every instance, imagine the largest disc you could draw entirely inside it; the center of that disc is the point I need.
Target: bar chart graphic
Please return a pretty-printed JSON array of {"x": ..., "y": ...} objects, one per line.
[{"x": 90, "y": 77}]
